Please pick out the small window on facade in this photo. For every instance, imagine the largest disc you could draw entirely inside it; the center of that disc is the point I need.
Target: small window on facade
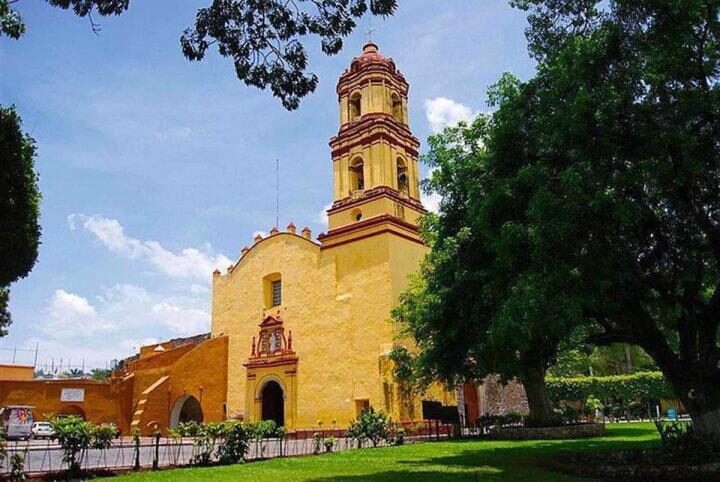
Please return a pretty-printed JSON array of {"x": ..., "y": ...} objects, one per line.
[{"x": 277, "y": 293}]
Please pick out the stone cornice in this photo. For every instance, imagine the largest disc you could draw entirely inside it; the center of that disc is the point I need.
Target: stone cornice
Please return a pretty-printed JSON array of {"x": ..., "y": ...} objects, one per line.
[
  {"x": 370, "y": 128},
  {"x": 375, "y": 193},
  {"x": 411, "y": 229}
]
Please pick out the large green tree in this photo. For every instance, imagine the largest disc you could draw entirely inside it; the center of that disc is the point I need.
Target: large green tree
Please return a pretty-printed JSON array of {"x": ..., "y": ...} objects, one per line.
[
  {"x": 484, "y": 301},
  {"x": 19, "y": 207},
  {"x": 261, "y": 37},
  {"x": 623, "y": 116},
  {"x": 610, "y": 211}
]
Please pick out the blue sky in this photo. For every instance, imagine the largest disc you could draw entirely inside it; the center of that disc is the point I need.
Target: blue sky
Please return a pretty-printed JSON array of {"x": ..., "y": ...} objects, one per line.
[{"x": 154, "y": 170}]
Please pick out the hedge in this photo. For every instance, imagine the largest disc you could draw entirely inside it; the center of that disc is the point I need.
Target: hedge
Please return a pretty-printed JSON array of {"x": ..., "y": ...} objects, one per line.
[{"x": 642, "y": 385}]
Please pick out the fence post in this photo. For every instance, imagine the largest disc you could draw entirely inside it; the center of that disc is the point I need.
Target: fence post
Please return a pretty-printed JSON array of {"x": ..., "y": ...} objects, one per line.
[
  {"x": 136, "y": 439},
  {"x": 156, "y": 457}
]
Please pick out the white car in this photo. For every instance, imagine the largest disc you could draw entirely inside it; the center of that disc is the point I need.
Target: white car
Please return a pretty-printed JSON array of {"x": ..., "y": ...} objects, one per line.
[{"x": 42, "y": 430}]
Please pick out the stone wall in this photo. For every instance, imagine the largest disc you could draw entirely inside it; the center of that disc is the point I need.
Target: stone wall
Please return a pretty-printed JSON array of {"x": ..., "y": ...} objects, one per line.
[
  {"x": 582, "y": 430},
  {"x": 498, "y": 399}
]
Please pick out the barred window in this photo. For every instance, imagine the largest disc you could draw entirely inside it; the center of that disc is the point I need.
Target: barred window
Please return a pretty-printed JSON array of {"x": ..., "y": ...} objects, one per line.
[{"x": 276, "y": 293}]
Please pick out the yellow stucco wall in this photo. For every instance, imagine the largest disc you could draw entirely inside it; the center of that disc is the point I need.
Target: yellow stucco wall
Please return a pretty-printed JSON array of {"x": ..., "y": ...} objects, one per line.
[{"x": 337, "y": 304}]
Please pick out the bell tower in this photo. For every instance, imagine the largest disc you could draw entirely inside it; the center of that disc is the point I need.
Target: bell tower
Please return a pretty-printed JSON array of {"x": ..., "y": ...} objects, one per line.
[{"x": 375, "y": 155}]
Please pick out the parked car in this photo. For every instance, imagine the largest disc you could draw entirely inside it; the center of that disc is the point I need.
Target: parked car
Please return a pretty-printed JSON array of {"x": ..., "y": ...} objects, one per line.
[{"x": 42, "y": 430}]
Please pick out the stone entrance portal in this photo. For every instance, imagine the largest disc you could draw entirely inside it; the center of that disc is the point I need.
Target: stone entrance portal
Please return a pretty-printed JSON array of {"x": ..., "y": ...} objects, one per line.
[
  {"x": 271, "y": 369},
  {"x": 273, "y": 403}
]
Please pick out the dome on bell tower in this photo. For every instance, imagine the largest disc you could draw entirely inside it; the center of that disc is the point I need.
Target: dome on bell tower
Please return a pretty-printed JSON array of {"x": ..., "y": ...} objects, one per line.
[{"x": 371, "y": 55}]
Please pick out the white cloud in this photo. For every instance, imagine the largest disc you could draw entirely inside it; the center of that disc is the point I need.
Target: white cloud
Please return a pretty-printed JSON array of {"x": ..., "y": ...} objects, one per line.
[
  {"x": 68, "y": 313},
  {"x": 264, "y": 234},
  {"x": 189, "y": 263},
  {"x": 442, "y": 112},
  {"x": 116, "y": 323},
  {"x": 129, "y": 306},
  {"x": 322, "y": 217},
  {"x": 431, "y": 202},
  {"x": 181, "y": 320}
]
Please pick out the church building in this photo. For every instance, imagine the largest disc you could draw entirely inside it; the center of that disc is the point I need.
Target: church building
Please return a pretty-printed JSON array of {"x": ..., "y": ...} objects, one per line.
[
  {"x": 301, "y": 331},
  {"x": 308, "y": 322}
]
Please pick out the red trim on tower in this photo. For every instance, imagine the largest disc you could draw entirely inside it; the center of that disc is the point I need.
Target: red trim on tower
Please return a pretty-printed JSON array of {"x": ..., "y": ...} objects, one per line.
[{"x": 375, "y": 193}]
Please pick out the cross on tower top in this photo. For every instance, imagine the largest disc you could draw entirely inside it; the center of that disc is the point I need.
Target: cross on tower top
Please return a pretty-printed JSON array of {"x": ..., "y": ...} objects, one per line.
[{"x": 370, "y": 30}]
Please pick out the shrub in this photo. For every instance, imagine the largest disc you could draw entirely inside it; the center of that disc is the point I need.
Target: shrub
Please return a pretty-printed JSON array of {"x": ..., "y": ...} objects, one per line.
[
  {"x": 102, "y": 436},
  {"x": 329, "y": 442},
  {"x": 74, "y": 436},
  {"x": 234, "y": 444},
  {"x": 263, "y": 429},
  {"x": 370, "y": 425},
  {"x": 680, "y": 440},
  {"x": 643, "y": 385},
  {"x": 553, "y": 421},
  {"x": 638, "y": 410},
  {"x": 189, "y": 429},
  {"x": 488, "y": 420},
  {"x": 567, "y": 414},
  {"x": 3, "y": 445},
  {"x": 203, "y": 446},
  {"x": 17, "y": 468},
  {"x": 399, "y": 436},
  {"x": 592, "y": 405}
]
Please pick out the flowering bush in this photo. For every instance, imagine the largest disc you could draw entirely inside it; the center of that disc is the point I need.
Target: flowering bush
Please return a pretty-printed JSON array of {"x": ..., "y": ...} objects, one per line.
[{"x": 371, "y": 425}]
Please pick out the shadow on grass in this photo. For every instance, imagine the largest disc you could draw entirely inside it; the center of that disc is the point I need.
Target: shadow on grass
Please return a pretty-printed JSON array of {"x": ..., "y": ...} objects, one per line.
[
  {"x": 498, "y": 460},
  {"x": 424, "y": 476}
]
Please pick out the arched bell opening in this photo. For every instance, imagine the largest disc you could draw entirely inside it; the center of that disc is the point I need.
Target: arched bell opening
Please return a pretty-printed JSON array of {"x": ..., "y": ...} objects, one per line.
[
  {"x": 357, "y": 174},
  {"x": 403, "y": 183}
]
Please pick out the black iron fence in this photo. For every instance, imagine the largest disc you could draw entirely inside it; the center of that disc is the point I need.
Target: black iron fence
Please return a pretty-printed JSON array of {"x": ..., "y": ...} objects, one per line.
[{"x": 125, "y": 453}]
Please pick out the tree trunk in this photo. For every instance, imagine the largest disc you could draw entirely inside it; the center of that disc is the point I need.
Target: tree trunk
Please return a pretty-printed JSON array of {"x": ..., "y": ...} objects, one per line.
[
  {"x": 701, "y": 398},
  {"x": 533, "y": 379},
  {"x": 702, "y": 401},
  {"x": 707, "y": 424},
  {"x": 628, "y": 359}
]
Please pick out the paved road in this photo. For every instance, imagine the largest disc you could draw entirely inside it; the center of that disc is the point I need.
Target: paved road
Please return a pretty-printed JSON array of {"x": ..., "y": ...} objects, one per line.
[
  {"x": 46, "y": 456},
  {"x": 42, "y": 456}
]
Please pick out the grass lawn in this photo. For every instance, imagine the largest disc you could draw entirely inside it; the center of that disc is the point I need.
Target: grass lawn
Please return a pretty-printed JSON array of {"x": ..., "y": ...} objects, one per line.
[{"x": 433, "y": 462}]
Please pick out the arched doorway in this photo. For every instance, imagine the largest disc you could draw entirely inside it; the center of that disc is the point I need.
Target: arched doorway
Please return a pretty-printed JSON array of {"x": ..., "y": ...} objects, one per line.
[
  {"x": 273, "y": 403},
  {"x": 186, "y": 409}
]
